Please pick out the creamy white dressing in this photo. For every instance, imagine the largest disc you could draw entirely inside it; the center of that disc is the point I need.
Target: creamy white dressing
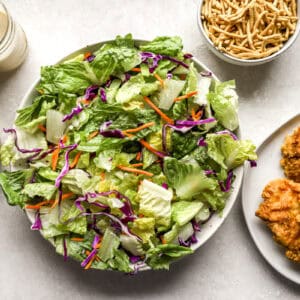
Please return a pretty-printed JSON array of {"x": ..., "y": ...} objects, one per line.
[{"x": 13, "y": 43}]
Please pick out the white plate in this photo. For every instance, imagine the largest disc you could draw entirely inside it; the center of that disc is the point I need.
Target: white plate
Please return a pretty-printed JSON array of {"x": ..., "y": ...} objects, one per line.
[
  {"x": 268, "y": 168},
  {"x": 210, "y": 227}
]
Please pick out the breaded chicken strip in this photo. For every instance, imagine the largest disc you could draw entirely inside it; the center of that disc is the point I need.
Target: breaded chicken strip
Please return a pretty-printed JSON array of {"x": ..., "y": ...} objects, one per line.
[
  {"x": 281, "y": 211},
  {"x": 290, "y": 161}
]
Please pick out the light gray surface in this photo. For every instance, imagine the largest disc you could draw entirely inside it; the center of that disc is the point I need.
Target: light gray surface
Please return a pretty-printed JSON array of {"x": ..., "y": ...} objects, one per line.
[{"x": 228, "y": 266}]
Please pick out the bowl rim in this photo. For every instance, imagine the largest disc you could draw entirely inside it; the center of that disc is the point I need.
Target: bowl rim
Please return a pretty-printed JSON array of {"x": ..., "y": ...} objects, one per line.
[
  {"x": 240, "y": 61},
  {"x": 215, "y": 222}
]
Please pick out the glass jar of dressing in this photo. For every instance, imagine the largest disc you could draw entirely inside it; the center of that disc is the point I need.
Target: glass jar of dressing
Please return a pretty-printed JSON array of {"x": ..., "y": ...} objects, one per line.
[{"x": 13, "y": 43}]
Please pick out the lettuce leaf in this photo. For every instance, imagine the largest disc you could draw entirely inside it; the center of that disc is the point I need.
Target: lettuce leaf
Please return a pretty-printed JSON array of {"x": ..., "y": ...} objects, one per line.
[
  {"x": 161, "y": 256},
  {"x": 41, "y": 189},
  {"x": 184, "y": 211},
  {"x": 229, "y": 153},
  {"x": 155, "y": 201},
  {"x": 224, "y": 102},
  {"x": 12, "y": 184},
  {"x": 164, "y": 45}
]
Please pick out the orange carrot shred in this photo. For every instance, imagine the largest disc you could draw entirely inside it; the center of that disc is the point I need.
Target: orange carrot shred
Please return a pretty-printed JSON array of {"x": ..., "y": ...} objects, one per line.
[
  {"x": 102, "y": 175},
  {"x": 75, "y": 161},
  {"x": 161, "y": 82},
  {"x": 137, "y": 165},
  {"x": 163, "y": 241},
  {"x": 138, "y": 156},
  {"x": 193, "y": 114},
  {"x": 42, "y": 128},
  {"x": 77, "y": 239},
  {"x": 38, "y": 205},
  {"x": 87, "y": 54},
  {"x": 127, "y": 134},
  {"x": 182, "y": 76},
  {"x": 85, "y": 101},
  {"x": 139, "y": 128},
  {"x": 64, "y": 139},
  {"x": 188, "y": 95},
  {"x": 141, "y": 216},
  {"x": 149, "y": 147},
  {"x": 54, "y": 158},
  {"x": 158, "y": 111},
  {"x": 89, "y": 263},
  {"x": 67, "y": 195},
  {"x": 199, "y": 114},
  {"x": 137, "y": 171},
  {"x": 93, "y": 134},
  {"x": 136, "y": 69}
]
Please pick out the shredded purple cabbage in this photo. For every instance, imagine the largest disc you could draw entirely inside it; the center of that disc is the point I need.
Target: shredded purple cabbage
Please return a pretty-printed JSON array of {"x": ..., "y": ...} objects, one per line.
[
  {"x": 225, "y": 188},
  {"x": 209, "y": 172},
  {"x": 86, "y": 197},
  {"x": 37, "y": 225},
  {"x": 14, "y": 132},
  {"x": 41, "y": 155},
  {"x": 165, "y": 185},
  {"x": 127, "y": 77},
  {"x": 65, "y": 249},
  {"x": 91, "y": 92},
  {"x": 193, "y": 238},
  {"x": 201, "y": 142},
  {"x": 134, "y": 259},
  {"x": 169, "y": 75},
  {"x": 206, "y": 73},
  {"x": 115, "y": 133},
  {"x": 90, "y": 58},
  {"x": 253, "y": 163},
  {"x": 196, "y": 226},
  {"x": 103, "y": 95},
  {"x": 184, "y": 243},
  {"x": 89, "y": 257},
  {"x": 175, "y": 60},
  {"x": 65, "y": 168},
  {"x": 75, "y": 111},
  {"x": 124, "y": 228},
  {"x": 108, "y": 83},
  {"x": 194, "y": 123},
  {"x": 188, "y": 55},
  {"x": 229, "y": 133},
  {"x": 96, "y": 241}
]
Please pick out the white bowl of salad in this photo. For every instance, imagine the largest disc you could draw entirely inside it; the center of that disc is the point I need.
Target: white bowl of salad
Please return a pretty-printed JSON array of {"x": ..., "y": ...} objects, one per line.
[{"x": 126, "y": 155}]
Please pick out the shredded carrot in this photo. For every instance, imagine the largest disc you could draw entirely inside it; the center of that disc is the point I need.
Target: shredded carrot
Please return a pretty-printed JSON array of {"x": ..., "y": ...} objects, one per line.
[
  {"x": 141, "y": 216},
  {"x": 42, "y": 128},
  {"x": 188, "y": 95},
  {"x": 136, "y": 69},
  {"x": 90, "y": 263},
  {"x": 182, "y": 76},
  {"x": 64, "y": 139},
  {"x": 67, "y": 195},
  {"x": 93, "y": 134},
  {"x": 63, "y": 197},
  {"x": 163, "y": 241},
  {"x": 102, "y": 175},
  {"x": 138, "y": 156},
  {"x": 87, "y": 54},
  {"x": 85, "y": 101},
  {"x": 87, "y": 252},
  {"x": 54, "y": 158},
  {"x": 98, "y": 245},
  {"x": 77, "y": 239},
  {"x": 38, "y": 205},
  {"x": 161, "y": 82},
  {"x": 154, "y": 107},
  {"x": 127, "y": 134},
  {"x": 75, "y": 161},
  {"x": 193, "y": 114},
  {"x": 137, "y": 171},
  {"x": 149, "y": 147},
  {"x": 137, "y": 165},
  {"x": 199, "y": 114},
  {"x": 139, "y": 128}
]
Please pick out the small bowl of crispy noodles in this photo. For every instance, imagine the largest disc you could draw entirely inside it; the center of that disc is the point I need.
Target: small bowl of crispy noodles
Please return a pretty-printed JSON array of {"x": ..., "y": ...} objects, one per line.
[{"x": 248, "y": 32}]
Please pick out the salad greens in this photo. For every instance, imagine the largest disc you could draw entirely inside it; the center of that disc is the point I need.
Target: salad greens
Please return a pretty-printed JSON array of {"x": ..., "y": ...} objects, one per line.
[{"x": 123, "y": 153}]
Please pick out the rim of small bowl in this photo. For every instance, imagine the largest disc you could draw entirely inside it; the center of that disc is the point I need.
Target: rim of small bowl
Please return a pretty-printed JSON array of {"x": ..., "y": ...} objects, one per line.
[
  {"x": 249, "y": 62},
  {"x": 215, "y": 222}
]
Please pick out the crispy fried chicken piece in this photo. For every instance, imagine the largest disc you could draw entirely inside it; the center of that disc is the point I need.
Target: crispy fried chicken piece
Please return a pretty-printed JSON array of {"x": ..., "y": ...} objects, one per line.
[
  {"x": 290, "y": 161},
  {"x": 281, "y": 211}
]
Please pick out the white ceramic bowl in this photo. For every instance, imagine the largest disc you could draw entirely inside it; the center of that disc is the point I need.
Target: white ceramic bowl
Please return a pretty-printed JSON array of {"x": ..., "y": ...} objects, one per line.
[
  {"x": 210, "y": 227},
  {"x": 246, "y": 62}
]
